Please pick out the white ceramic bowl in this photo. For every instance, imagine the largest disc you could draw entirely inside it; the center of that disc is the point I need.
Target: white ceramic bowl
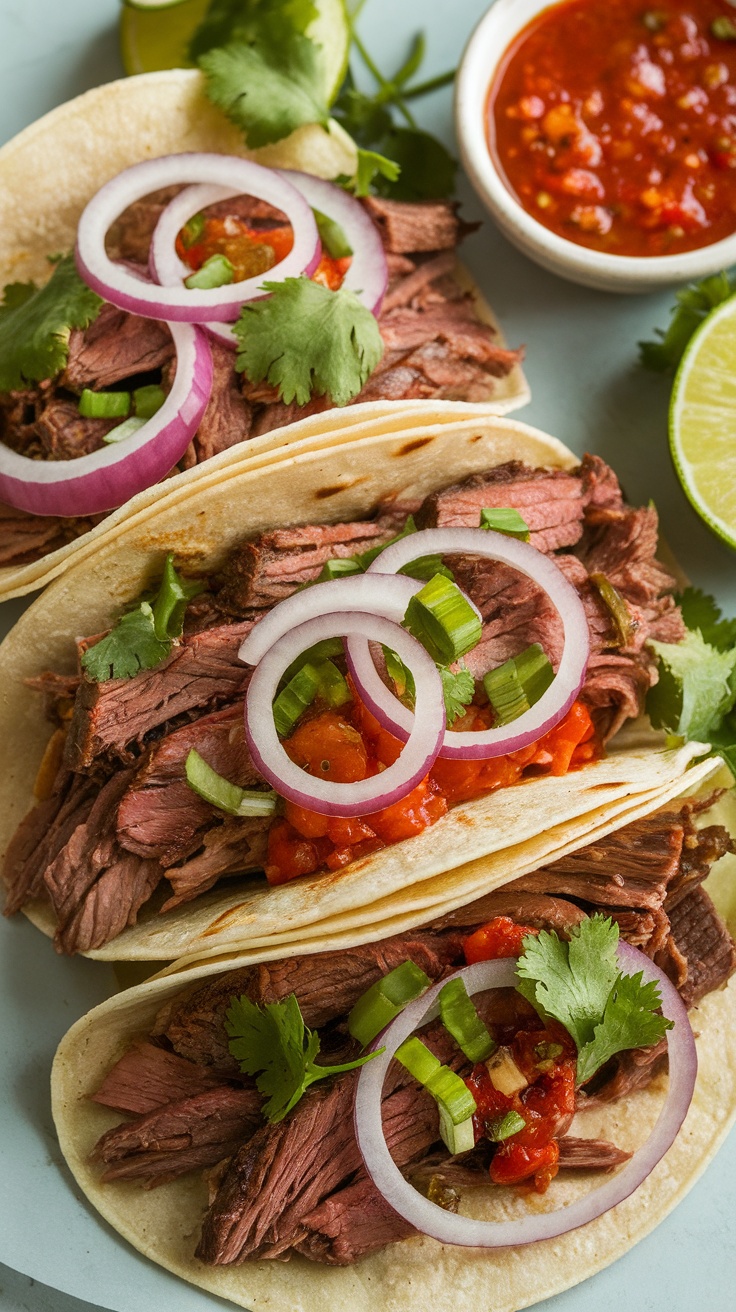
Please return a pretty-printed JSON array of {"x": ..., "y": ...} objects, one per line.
[{"x": 616, "y": 273}]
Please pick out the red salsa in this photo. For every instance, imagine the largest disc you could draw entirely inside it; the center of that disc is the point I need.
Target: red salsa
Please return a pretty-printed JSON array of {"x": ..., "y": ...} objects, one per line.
[
  {"x": 546, "y": 1057},
  {"x": 251, "y": 250},
  {"x": 615, "y": 124},
  {"x": 349, "y": 745}
]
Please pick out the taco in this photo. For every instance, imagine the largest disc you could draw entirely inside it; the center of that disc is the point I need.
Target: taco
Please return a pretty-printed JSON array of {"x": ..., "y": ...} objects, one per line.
[
  {"x": 213, "y": 1182},
  {"x": 135, "y": 848},
  {"x": 98, "y": 404}
]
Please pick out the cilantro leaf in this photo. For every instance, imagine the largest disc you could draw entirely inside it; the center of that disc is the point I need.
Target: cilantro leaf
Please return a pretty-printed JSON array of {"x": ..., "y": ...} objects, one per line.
[
  {"x": 267, "y": 90},
  {"x": 700, "y": 611},
  {"x": 572, "y": 981},
  {"x": 307, "y": 340},
  {"x": 35, "y": 325},
  {"x": 630, "y": 1020},
  {"x": 274, "y": 1041},
  {"x": 128, "y": 648},
  {"x": 144, "y": 637},
  {"x": 694, "y": 303},
  {"x": 580, "y": 985},
  {"x": 249, "y": 21},
  {"x": 694, "y": 690},
  {"x": 458, "y": 687}
]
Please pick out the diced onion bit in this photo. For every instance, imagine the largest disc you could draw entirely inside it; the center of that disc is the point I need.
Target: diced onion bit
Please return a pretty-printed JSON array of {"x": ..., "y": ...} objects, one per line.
[
  {"x": 504, "y": 520},
  {"x": 227, "y": 797},
  {"x": 449, "y": 1228},
  {"x": 385, "y": 999},
  {"x": 504, "y": 1074},
  {"x": 443, "y": 620},
  {"x": 518, "y": 684},
  {"x": 462, "y": 1021}
]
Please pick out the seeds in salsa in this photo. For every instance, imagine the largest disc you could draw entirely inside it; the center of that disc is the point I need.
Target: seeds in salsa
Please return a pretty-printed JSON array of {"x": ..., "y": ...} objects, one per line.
[{"x": 615, "y": 125}]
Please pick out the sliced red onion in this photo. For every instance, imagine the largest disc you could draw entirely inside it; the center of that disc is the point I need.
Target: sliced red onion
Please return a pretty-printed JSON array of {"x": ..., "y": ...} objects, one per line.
[
  {"x": 366, "y": 795},
  {"x": 368, "y": 272},
  {"x": 554, "y": 703},
  {"x": 448, "y": 1228},
  {"x": 107, "y": 478},
  {"x": 176, "y": 302},
  {"x": 387, "y": 597}
]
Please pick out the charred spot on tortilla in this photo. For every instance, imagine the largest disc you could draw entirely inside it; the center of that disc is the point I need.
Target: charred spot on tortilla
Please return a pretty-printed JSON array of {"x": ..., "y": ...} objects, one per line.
[
  {"x": 324, "y": 493},
  {"x": 596, "y": 788},
  {"x": 415, "y": 445}
]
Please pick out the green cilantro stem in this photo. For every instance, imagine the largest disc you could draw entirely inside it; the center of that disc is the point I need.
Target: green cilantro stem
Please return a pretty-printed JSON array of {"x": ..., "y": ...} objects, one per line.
[{"x": 432, "y": 84}]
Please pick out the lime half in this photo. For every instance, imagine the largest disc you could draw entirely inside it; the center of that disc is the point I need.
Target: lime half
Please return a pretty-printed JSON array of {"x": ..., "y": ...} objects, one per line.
[
  {"x": 703, "y": 421},
  {"x": 157, "y": 35}
]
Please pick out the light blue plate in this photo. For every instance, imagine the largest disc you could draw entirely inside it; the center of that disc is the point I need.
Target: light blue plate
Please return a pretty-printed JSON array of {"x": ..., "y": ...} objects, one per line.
[{"x": 588, "y": 391}]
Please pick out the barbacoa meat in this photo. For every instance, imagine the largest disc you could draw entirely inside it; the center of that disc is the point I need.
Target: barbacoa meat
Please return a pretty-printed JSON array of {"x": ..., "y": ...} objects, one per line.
[
  {"x": 435, "y": 346},
  {"x": 194, "y": 699},
  {"x": 299, "y": 1186}
]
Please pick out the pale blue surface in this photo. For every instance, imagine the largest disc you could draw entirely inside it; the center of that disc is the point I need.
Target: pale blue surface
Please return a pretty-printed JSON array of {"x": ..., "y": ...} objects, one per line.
[{"x": 587, "y": 390}]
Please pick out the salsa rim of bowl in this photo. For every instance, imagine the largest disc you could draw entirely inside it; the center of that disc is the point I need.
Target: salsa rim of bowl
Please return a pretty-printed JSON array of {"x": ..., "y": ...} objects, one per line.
[{"x": 486, "y": 49}]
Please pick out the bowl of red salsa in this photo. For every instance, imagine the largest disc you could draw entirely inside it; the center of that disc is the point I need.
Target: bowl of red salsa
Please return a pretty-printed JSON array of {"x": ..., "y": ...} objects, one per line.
[{"x": 602, "y": 137}]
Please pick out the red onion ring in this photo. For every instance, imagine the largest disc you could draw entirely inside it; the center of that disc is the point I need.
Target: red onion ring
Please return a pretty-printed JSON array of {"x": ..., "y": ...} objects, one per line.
[
  {"x": 111, "y": 279},
  {"x": 368, "y": 272},
  {"x": 375, "y": 595},
  {"x": 448, "y": 1228},
  {"x": 107, "y": 478},
  {"x": 366, "y": 795},
  {"x": 554, "y": 703}
]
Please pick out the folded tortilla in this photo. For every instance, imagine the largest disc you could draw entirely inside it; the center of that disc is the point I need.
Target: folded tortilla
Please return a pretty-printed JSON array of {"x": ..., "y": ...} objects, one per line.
[
  {"x": 51, "y": 169},
  {"x": 410, "y": 1276},
  {"x": 477, "y": 845}
]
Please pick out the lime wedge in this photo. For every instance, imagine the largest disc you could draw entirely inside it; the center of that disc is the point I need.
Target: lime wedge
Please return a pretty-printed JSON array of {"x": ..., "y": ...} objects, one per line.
[
  {"x": 703, "y": 421},
  {"x": 156, "y": 34}
]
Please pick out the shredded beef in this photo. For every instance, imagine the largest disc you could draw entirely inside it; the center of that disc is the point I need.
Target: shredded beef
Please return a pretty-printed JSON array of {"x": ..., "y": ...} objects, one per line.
[
  {"x": 406, "y": 227},
  {"x": 326, "y": 985},
  {"x": 263, "y": 572},
  {"x": 203, "y": 670},
  {"x": 590, "y": 1155},
  {"x": 115, "y": 346},
  {"x": 232, "y": 847},
  {"x": 147, "y": 1077},
  {"x": 551, "y": 501},
  {"x": 704, "y": 942},
  {"x": 228, "y": 417},
  {"x": 95, "y": 888},
  {"x": 188, "y": 1135},
  {"x": 624, "y": 1074},
  {"x": 42, "y": 835},
  {"x": 273, "y": 1191},
  {"x": 25, "y": 537},
  {"x": 53, "y": 428},
  {"x": 537, "y": 910},
  {"x": 159, "y": 814}
]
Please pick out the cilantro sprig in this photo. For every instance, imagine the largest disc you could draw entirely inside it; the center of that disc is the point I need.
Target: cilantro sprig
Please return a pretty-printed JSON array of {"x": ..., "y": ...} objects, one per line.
[
  {"x": 693, "y": 305},
  {"x": 307, "y": 340},
  {"x": 35, "y": 325},
  {"x": 580, "y": 984},
  {"x": 265, "y": 71},
  {"x": 274, "y": 1044},
  {"x": 695, "y": 694},
  {"x": 144, "y": 637}
]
